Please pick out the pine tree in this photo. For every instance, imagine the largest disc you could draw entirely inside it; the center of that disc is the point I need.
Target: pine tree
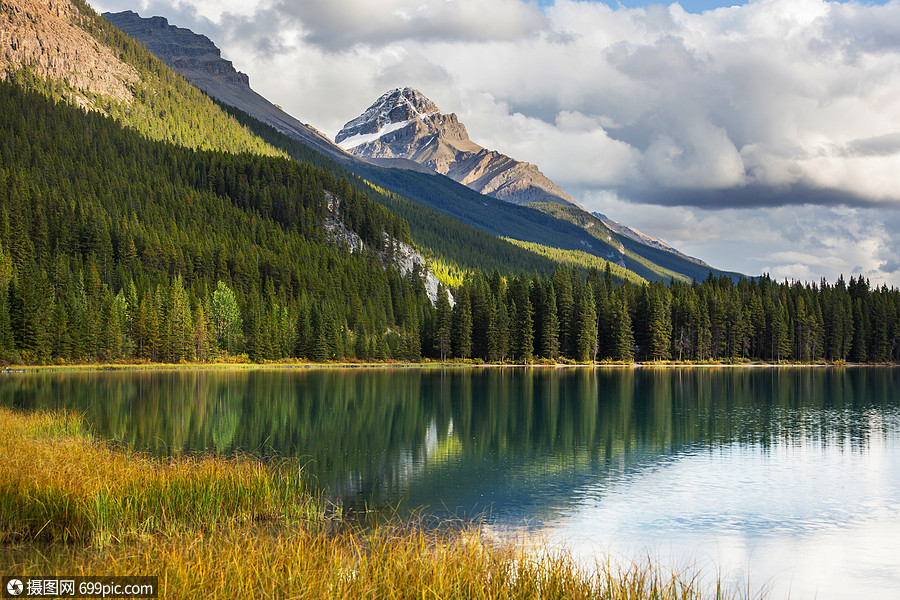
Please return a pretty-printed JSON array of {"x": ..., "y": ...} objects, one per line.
[
  {"x": 7, "y": 348},
  {"x": 444, "y": 318},
  {"x": 523, "y": 323},
  {"x": 659, "y": 324},
  {"x": 113, "y": 333},
  {"x": 412, "y": 350},
  {"x": 704, "y": 336},
  {"x": 201, "y": 336},
  {"x": 562, "y": 282},
  {"x": 303, "y": 327},
  {"x": 780, "y": 333},
  {"x": 462, "y": 326},
  {"x": 880, "y": 325},
  {"x": 179, "y": 323},
  {"x": 623, "y": 334},
  {"x": 586, "y": 330},
  {"x": 61, "y": 341},
  {"x": 320, "y": 350},
  {"x": 550, "y": 333}
]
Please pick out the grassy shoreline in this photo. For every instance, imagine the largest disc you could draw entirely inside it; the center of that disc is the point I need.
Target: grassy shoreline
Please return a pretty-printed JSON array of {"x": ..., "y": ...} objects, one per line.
[{"x": 215, "y": 527}]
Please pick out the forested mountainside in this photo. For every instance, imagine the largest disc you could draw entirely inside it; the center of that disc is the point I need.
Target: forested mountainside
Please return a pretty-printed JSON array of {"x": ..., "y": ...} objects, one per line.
[
  {"x": 114, "y": 246},
  {"x": 66, "y": 50},
  {"x": 649, "y": 261},
  {"x": 163, "y": 106},
  {"x": 459, "y": 228},
  {"x": 547, "y": 224}
]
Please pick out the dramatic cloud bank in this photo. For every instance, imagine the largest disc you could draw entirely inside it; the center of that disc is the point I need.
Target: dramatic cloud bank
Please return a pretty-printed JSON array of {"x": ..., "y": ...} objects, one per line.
[{"x": 759, "y": 137}]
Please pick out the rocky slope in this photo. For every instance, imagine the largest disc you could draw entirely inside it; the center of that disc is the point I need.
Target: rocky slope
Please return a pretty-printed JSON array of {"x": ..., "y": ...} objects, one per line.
[
  {"x": 45, "y": 37},
  {"x": 404, "y": 125},
  {"x": 196, "y": 58}
]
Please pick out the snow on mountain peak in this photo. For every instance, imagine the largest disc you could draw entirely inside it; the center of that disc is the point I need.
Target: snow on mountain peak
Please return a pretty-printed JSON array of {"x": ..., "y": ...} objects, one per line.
[{"x": 393, "y": 110}]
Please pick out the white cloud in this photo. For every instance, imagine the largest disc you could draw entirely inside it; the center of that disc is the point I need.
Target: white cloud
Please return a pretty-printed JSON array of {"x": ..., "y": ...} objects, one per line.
[{"x": 341, "y": 24}]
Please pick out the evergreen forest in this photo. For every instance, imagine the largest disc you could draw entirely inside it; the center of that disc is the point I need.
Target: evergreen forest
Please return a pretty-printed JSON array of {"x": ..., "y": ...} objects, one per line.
[{"x": 116, "y": 247}]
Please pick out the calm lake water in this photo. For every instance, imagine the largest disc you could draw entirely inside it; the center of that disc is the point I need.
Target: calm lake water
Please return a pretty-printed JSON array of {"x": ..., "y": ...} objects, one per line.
[{"x": 788, "y": 478}]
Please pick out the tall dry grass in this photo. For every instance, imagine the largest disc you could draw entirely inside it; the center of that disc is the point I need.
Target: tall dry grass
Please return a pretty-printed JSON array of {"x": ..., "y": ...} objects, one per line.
[{"x": 235, "y": 528}]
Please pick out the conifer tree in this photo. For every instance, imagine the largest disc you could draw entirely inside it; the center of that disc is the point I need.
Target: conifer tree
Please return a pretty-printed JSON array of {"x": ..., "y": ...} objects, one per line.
[
  {"x": 781, "y": 333},
  {"x": 659, "y": 323},
  {"x": 562, "y": 282},
  {"x": 444, "y": 318},
  {"x": 622, "y": 331},
  {"x": 704, "y": 336},
  {"x": 61, "y": 339},
  {"x": 320, "y": 351},
  {"x": 7, "y": 347},
  {"x": 202, "y": 346},
  {"x": 586, "y": 330},
  {"x": 462, "y": 326},
  {"x": 550, "y": 333},
  {"x": 523, "y": 324},
  {"x": 859, "y": 351},
  {"x": 179, "y": 323}
]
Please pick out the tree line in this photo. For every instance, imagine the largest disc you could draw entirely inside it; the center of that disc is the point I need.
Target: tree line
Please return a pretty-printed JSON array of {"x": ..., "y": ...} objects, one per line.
[{"x": 592, "y": 318}]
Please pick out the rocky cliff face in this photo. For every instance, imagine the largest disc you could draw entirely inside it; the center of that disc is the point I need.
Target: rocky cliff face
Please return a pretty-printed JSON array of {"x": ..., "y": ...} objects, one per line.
[
  {"x": 196, "y": 58},
  {"x": 44, "y": 36},
  {"x": 404, "y": 125}
]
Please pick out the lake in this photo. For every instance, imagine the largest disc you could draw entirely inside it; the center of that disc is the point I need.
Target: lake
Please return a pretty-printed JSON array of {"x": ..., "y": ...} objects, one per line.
[{"x": 786, "y": 479}]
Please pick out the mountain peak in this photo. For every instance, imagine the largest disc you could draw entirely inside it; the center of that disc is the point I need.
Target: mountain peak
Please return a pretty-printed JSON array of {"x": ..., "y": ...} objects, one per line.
[
  {"x": 403, "y": 125},
  {"x": 392, "y": 110}
]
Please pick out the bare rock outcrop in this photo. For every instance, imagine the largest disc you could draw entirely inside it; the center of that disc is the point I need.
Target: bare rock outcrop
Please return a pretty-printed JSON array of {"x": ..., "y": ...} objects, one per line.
[
  {"x": 402, "y": 256},
  {"x": 404, "y": 125},
  {"x": 45, "y": 37}
]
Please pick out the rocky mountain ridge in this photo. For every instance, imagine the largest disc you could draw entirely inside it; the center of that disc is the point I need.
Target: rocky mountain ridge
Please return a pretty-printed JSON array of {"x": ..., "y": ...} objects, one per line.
[
  {"x": 196, "y": 58},
  {"x": 405, "y": 125}
]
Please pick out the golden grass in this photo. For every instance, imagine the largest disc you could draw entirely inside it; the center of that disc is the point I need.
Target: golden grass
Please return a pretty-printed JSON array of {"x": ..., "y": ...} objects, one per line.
[
  {"x": 57, "y": 484},
  {"x": 236, "y": 528}
]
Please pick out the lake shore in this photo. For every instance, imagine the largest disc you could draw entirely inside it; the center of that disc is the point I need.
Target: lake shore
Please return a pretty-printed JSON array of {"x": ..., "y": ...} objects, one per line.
[
  {"x": 213, "y": 527},
  {"x": 238, "y": 366}
]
